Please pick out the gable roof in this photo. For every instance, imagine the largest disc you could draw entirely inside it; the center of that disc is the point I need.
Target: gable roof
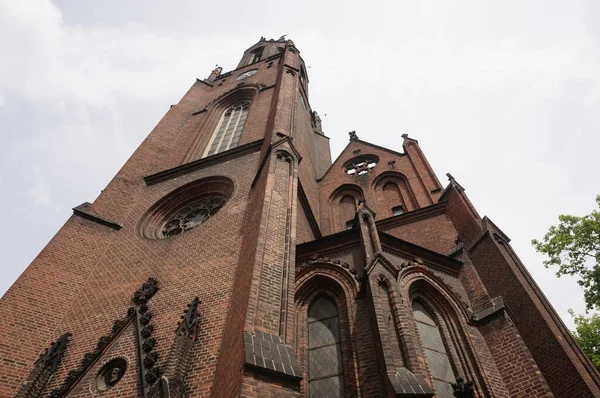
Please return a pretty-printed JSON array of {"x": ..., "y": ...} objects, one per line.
[{"x": 368, "y": 144}]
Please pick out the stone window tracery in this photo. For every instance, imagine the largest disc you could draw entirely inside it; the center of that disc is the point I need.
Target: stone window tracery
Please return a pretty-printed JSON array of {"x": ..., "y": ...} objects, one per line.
[
  {"x": 361, "y": 165},
  {"x": 192, "y": 215},
  {"x": 325, "y": 372},
  {"x": 228, "y": 131}
]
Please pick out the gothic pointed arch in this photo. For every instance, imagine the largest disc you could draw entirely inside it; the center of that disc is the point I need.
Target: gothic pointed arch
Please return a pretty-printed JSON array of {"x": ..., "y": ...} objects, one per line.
[
  {"x": 397, "y": 191},
  {"x": 442, "y": 333},
  {"x": 223, "y": 123},
  {"x": 324, "y": 318},
  {"x": 343, "y": 205}
]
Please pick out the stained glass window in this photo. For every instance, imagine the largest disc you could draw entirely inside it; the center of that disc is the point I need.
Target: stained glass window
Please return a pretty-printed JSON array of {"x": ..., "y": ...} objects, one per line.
[
  {"x": 228, "y": 131},
  {"x": 192, "y": 215},
  {"x": 435, "y": 351},
  {"x": 325, "y": 374}
]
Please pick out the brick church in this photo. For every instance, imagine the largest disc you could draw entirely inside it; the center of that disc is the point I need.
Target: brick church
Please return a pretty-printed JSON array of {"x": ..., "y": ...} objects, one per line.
[{"x": 231, "y": 257}]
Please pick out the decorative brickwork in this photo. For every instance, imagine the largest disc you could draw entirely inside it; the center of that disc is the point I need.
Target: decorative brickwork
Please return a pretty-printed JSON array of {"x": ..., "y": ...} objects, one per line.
[{"x": 254, "y": 235}]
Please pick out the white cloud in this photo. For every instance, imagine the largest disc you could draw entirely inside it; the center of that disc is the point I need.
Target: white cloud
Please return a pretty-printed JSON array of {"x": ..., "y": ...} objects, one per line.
[{"x": 504, "y": 96}]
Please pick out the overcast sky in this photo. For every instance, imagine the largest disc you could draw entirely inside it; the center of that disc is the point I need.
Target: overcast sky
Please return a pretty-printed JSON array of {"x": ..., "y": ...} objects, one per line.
[{"x": 503, "y": 95}]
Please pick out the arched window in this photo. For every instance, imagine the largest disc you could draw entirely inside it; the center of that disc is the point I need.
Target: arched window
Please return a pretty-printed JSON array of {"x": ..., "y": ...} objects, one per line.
[
  {"x": 347, "y": 209},
  {"x": 325, "y": 372},
  {"x": 228, "y": 131},
  {"x": 255, "y": 56},
  {"x": 435, "y": 351}
]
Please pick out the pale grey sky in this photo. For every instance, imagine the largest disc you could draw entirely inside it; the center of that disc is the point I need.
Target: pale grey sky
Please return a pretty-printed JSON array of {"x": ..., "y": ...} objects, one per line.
[{"x": 503, "y": 95}]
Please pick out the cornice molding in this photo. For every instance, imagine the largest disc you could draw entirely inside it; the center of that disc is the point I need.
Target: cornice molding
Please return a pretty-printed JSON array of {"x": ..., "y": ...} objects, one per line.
[
  {"x": 203, "y": 163},
  {"x": 83, "y": 211},
  {"x": 205, "y": 82},
  {"x": 412, "y": 216}
]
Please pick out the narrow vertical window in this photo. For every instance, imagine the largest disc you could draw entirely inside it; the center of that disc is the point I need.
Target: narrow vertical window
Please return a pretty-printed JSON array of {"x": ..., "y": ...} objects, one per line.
[
  {"x": 228, "y": 131},
  {"x": 255, "y": 56},
  {"x": 325, "y": 374},
  {"x": 435, "y": 351}
]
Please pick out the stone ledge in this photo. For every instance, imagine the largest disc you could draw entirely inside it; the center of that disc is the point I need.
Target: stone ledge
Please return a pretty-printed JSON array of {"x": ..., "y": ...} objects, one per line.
[
  {"x": 267, "y": 352},
  {"x": 486, "y": 314},
  {"x": 83, "y": 210},
  {"x": 407, "y": 384}
]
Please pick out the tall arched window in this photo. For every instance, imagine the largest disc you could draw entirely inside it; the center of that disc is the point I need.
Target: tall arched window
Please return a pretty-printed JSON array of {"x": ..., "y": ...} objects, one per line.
[
  {"x": 435, "y": 351},
  {"x": 228, "y": 131},
  {"x": 325, "y": 372}
]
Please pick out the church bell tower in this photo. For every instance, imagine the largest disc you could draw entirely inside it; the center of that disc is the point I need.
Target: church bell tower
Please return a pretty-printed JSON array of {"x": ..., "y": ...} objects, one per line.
[{"x": 231, "y": 257}]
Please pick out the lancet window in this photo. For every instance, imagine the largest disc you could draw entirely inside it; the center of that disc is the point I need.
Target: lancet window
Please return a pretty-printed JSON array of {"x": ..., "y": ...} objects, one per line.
[
  {"x": 435, "y": 351},
  {"x": 325, "y": 372},
  {"x": 228, "y": 131},
  {"x": 255, "y": 56}
]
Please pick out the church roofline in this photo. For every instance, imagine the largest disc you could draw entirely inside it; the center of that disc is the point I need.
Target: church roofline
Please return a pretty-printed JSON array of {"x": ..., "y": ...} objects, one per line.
[
  {"x": 412, "y": 216},
  {"x": 404, "y": 247}
]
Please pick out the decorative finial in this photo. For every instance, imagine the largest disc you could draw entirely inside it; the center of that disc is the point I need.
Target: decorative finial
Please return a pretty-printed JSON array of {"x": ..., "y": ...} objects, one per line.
[
  {"x": 450, "y": 177},
  {"x": 353, "y": 136},
  {"x": 282, "y": 38},
  {"x": 405, "y": 136}
]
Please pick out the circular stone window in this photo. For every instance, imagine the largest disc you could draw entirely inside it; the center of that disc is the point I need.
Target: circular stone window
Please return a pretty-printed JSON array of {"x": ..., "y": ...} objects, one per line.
[
  {"x": 110, "y": 374},
  {"x": 185, "y": 208},
  {"x": 361, "y": 165},
  {"x": 192, "y": 215}
]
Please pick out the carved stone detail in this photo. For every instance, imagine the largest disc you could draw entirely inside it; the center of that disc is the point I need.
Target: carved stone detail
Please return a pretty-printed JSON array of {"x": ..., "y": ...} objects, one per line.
[
  {"x": 44, "y": 368},
  {"x": 300, "y": 267},
  {"x": 176, "y": 368},
  {"x": 145, "y": 292},
  {"x": 150, "y": 372},
  {"x": 90, "y": 358}
]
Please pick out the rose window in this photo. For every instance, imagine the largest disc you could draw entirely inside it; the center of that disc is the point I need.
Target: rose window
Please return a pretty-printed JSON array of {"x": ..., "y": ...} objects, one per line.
[
  {"x": 192, "y": 215},
  {"x": 361, "y": 166}
]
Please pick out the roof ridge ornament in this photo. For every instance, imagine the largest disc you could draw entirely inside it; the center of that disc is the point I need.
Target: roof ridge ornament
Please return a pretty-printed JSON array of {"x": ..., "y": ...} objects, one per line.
[{"x": 353, "y": 136}]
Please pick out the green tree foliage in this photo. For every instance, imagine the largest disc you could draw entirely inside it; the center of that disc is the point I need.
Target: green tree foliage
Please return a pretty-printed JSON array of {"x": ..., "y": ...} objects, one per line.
[
  {"x": 574, "y": 246},
  {"x": 587, "y": 334}
]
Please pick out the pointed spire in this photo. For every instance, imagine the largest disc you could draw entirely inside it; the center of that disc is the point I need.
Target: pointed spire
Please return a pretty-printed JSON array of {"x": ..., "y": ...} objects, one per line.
[{"x": 189, "y": 324}]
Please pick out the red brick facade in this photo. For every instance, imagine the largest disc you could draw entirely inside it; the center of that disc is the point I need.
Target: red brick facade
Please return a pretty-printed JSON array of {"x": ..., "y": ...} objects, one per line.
[{"x": 373, "y": 232}]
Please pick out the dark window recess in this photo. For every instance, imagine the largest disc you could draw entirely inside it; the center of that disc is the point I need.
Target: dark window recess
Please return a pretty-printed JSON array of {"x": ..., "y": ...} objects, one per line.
[
  {"x": 325, "y": 373},
  {"x": 349, "y": 224},
  {"x": 396, "y": 211},
  {"x": 255, "y": 56}
]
